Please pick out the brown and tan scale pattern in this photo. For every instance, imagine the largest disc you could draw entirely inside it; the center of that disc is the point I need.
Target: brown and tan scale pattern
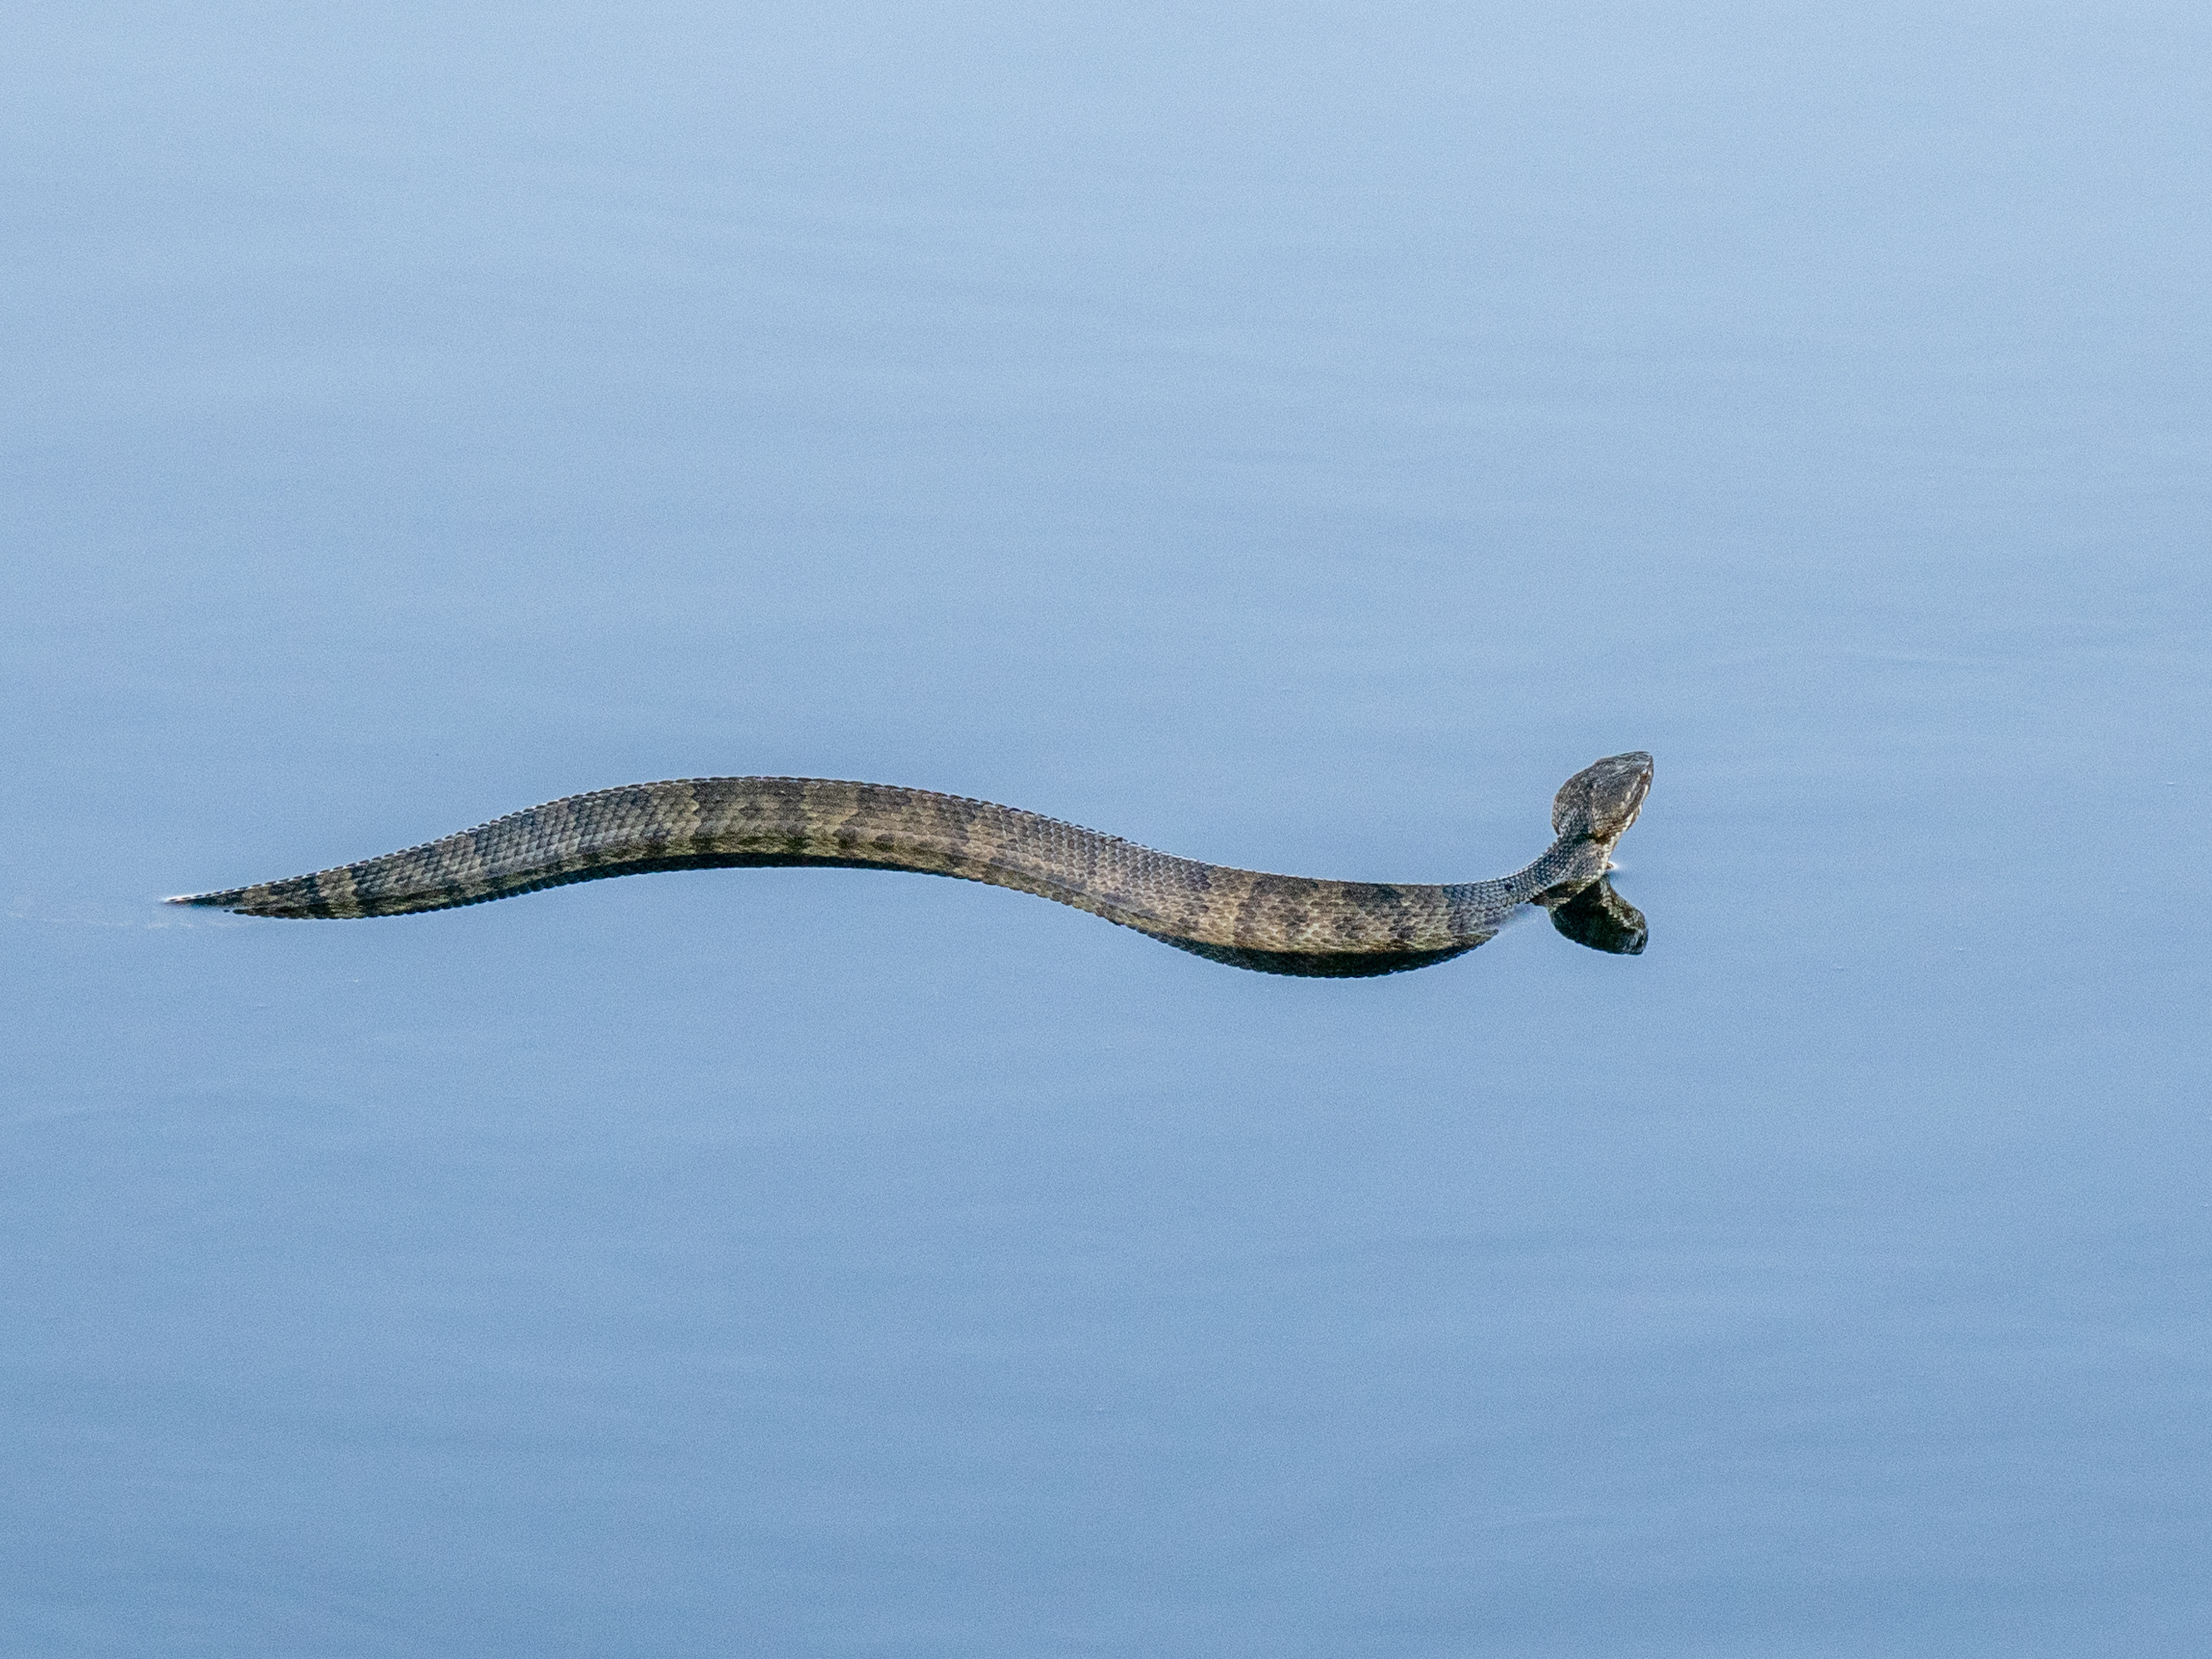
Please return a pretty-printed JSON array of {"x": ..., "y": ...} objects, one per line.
[{"x": 1281, "y": 924}]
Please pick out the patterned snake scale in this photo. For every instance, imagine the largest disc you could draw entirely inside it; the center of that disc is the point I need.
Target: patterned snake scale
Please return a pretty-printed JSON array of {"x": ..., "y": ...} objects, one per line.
[{"x": 1277, "y": 924}]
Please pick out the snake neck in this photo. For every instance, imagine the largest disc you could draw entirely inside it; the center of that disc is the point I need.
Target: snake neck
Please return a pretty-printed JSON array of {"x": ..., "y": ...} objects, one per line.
[{"x": 1478, "y": 908}]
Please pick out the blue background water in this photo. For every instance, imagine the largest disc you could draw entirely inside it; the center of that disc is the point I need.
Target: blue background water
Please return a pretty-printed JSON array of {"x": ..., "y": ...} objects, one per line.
[{"x": 1293, "y": 436}]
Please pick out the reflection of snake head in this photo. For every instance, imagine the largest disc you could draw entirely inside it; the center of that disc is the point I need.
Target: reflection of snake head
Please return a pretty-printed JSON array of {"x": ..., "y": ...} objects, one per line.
[
  {"x": 1600, "y": 918},
  {"x": 1602, "y": 800}
]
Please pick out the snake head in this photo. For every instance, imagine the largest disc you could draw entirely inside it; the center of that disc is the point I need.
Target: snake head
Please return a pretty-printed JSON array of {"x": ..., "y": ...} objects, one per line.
[{"x": 1602, "y": 800}]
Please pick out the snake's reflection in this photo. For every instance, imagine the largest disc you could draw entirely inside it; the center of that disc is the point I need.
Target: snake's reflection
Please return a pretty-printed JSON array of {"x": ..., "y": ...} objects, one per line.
[{"x": 1600, "y": 918}]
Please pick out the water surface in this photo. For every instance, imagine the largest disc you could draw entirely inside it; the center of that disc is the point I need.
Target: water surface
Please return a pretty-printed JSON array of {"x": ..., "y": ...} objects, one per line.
[{"x": 1293, "y": 438}]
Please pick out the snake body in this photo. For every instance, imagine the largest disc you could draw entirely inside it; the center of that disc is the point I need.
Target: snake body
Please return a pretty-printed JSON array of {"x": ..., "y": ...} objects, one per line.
[{"x": 1278, "y": 924}]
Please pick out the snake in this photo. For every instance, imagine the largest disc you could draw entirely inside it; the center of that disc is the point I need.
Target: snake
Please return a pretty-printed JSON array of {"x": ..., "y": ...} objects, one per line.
[{"x": 1246, "y": 918}]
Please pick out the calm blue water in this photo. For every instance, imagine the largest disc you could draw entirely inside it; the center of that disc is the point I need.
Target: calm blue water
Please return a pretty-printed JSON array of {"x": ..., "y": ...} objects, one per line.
[{"x": 1295, "y": 436}]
